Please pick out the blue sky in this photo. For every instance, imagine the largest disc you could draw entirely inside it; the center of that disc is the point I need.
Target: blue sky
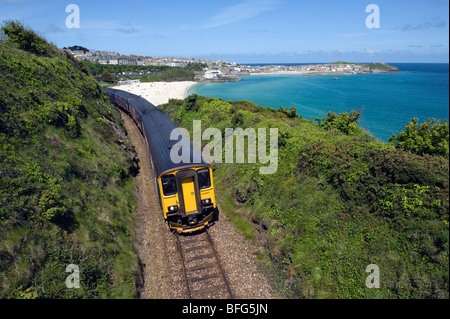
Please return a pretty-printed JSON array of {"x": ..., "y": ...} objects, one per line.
[{"x": 265, "y": 31}]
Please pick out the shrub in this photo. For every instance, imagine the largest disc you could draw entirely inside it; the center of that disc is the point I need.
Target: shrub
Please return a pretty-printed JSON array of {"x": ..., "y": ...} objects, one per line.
[
  {"x": 55, "y": 213},
  {"x": 431, "y": 137},
  {"x": 27, "y": 40},
  {"x": 50, "y": 206},
  {"x": 291, "y": 113},
  {"x": 190, "y": 103},
  {"x": 108, "y": 77},
  {"x": 343, "y": 122}
]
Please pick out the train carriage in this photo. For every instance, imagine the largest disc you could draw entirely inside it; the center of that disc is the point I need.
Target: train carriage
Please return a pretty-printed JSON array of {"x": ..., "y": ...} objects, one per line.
[{"x": 185, "y": 190}]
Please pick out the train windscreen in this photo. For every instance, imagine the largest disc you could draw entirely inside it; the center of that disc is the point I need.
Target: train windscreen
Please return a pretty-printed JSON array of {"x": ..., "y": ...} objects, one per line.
[
  {"x": 169, "y": 185},
  {"x": 204, "y": 179}
]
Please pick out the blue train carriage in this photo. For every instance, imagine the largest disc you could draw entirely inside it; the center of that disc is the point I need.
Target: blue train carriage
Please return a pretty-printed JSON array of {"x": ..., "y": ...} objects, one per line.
[
  {"x": 132, "y": 104},
  {"x": 185, "y": 190}
]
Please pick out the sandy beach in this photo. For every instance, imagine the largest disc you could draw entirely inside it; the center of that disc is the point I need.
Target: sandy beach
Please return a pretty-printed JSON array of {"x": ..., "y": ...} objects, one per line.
[{"x": 158, "y": 92}]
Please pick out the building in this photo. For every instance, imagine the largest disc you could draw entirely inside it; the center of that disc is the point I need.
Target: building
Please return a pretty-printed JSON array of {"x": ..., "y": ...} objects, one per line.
[
  {"x": 129, "y": 82},
  {"x": 211, "y": 74},
  {"x": 125, "y": 60}
]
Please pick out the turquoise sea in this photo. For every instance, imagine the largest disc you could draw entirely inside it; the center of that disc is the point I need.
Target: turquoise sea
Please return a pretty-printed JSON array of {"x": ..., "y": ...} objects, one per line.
[{"x": 388, "y": 100}]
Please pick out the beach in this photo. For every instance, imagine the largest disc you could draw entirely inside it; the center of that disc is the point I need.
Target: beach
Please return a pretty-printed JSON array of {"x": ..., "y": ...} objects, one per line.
[{"x": 158, "y": 93}]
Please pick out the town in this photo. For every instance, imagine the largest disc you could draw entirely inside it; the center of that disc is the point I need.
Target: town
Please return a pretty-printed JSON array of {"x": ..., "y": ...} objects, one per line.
[{"x": 221, "y": 69}]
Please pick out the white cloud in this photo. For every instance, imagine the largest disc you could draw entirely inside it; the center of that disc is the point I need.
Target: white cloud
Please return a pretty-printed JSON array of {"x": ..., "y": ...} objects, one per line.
[{"x": 243, "y": 11}]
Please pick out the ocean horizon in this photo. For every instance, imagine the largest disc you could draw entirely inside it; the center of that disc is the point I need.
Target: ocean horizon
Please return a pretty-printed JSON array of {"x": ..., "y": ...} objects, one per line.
[{"x": 388, "y": 101}]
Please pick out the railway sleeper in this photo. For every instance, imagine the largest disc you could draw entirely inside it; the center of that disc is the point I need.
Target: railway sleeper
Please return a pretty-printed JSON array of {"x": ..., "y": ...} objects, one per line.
[
  {"x": 211, "y": 255},
  {"x": 189, "y": 241},
  {"x": 206, "y": 277},
  {"x": 204, "y": 246},
  {"x": 208, "y": 290},
  {"x": 202, "y": 267}
]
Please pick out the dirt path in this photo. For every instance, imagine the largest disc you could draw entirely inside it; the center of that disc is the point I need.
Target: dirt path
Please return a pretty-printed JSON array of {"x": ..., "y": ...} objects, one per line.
[{"x": 156, "y": 245}]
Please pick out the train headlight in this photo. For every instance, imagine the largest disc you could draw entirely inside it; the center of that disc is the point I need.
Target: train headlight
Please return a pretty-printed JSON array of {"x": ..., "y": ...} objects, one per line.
[
  {"x": 206, "y": 201},
  {"x": 173, "y": 209}
]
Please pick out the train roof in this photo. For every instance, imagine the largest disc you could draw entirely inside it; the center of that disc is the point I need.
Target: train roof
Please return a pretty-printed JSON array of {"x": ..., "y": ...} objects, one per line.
[
  {"x": 157, "y": 128},
  {"x": 140, "y": 104}
]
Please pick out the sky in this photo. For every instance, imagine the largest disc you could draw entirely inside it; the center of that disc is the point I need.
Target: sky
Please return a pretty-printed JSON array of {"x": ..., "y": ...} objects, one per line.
[{"x": 247, "y": 31}]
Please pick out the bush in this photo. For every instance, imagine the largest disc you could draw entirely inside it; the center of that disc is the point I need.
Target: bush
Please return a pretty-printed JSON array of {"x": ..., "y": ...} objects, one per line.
[
  {"x": 108, "y": 77},
  {"x": 190, "y": 103},
  {"x": 50, "y": 206},
  {"x": 291, "y": 113},
  {"x": 431, "y": 137},
  {"x": 343, "y": 122},
  {"x": 26, "y": 40},
  {"x": 55, "y": 213}
]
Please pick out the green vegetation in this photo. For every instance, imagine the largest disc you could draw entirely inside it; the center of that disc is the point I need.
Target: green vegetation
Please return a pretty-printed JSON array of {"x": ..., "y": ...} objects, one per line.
[
  {"x": 158, "y": 73},
  {"x": 378, "y": 66},
  {"x": 431, "y": 137},
  {"x": 97, "y": 68},
  {"x": 107, "y": 77},
  {"x": 343, "y": 122},
  {"x": 340, "y": 200},
  {"x": 372, "y": 66},
  {"x": 291, "y": 113},
  {"x": 66, "y": 188},
  {"x": 77, "y": 48}
]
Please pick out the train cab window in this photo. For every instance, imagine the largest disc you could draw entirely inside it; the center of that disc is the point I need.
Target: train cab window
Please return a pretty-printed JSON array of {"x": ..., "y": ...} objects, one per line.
[
  {"x": 169, "y": 185},
  {"x": 204, "y": 179}
]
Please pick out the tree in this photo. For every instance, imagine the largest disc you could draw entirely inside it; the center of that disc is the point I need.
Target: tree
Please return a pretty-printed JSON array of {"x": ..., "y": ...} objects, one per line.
[
  {"x": 77, "y": 48},
  {"x": 430, "y": 138},
  {"x": 107, "y": 77}
]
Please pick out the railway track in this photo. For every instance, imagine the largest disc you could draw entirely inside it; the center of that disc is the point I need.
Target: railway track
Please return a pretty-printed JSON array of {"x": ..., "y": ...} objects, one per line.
[{"x": 204, "y": 275}]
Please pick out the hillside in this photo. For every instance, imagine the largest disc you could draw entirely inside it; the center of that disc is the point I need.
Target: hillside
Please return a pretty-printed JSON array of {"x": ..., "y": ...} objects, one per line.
[
  {"x": 340, "y": 201},
  {"x": 373, "y": 66},
  {"x": 66, "y": 184}
]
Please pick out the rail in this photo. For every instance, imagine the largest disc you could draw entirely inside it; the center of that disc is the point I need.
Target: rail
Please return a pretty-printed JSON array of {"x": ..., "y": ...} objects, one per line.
[{"x": 203, "y": 273}]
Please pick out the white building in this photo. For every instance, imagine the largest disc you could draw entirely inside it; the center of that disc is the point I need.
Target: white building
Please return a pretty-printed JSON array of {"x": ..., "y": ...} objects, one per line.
[
  {"x": 211, "y": 74},
  {"x": 129, "y": 82}
]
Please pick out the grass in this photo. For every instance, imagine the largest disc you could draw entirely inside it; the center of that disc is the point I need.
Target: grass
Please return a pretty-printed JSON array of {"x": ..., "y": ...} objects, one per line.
[{"x": 233, "y": 210}]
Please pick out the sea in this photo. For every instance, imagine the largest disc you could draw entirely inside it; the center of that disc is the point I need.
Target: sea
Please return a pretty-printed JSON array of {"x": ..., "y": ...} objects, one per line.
[{"x": 387, "y": 101}]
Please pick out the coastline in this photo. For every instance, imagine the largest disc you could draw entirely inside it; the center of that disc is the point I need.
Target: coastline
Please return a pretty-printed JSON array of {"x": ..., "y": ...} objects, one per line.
[
  {"x": 158, "y": 93},
  {"x": 278, "y": 73},
  {"x": 186, "y": 91},
  {"x": 316, "y": 73}
]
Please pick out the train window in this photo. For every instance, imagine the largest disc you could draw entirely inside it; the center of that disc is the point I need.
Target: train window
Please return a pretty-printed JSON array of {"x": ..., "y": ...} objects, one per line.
[
  {"x": 204, "y": 180},
  {"x": 169, "y": 185}
]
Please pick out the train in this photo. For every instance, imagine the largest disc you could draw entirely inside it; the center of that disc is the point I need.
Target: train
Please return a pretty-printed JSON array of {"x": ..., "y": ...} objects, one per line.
[{"x": 185, "y": 190}]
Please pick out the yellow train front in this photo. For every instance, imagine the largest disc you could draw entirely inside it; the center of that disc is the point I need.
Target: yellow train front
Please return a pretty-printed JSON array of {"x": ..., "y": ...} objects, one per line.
[
  {"x": 187, "y": 198},
  {"x": 185, "y": 188}
]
